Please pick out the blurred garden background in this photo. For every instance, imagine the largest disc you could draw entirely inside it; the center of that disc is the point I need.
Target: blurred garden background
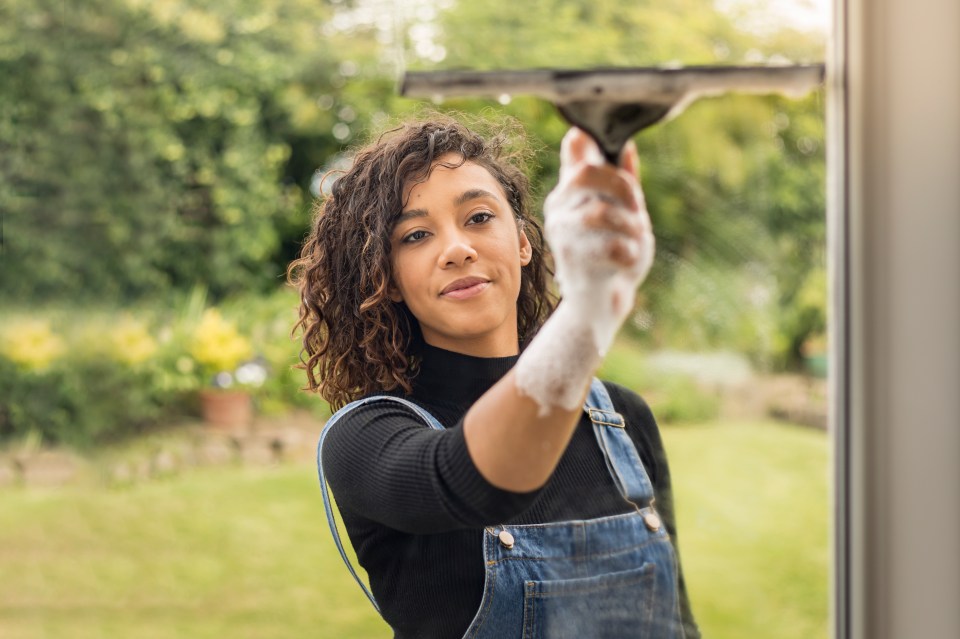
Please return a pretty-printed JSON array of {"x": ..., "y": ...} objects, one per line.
[{"x": 158, "y": 162}]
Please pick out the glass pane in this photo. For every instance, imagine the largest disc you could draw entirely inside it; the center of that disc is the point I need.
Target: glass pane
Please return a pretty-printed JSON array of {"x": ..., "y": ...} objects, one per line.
[
  {"x": 158, "y": 162},
  {"x": 728, "y": 341}
]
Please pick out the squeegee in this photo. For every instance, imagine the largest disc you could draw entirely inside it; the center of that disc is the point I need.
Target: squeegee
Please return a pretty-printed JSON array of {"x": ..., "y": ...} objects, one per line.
[{"x": 612, "y": 104}]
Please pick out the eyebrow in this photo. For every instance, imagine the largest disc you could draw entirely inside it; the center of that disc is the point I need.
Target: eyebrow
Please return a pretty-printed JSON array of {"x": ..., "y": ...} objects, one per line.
[
  {"x": 463, "y": 198},
  {"x": 474, "y": 194}
]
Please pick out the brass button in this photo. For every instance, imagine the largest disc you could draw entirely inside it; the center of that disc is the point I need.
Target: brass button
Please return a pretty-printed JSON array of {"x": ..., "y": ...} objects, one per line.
[
  {"x": 506, "y": 539},
  {"x": 652, "y": 520}
]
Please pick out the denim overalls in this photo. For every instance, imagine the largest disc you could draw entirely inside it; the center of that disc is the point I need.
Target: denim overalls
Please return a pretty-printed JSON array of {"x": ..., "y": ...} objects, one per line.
[{"x": 608, "y": 578}]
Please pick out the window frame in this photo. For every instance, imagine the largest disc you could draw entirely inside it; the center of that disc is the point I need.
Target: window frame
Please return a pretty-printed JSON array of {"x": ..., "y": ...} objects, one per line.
[{"x": 893, "y": 202}]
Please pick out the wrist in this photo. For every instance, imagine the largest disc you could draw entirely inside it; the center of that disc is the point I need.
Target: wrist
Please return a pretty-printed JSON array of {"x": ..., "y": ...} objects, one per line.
[{"x": 560, "y": 361}]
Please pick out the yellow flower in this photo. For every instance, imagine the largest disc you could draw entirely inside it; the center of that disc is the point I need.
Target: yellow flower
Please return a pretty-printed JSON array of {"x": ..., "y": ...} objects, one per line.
[
  {"x": 30, "y": 343},
  {"x": 131, "y": 342},
  {"x": 217, "y": 345}
]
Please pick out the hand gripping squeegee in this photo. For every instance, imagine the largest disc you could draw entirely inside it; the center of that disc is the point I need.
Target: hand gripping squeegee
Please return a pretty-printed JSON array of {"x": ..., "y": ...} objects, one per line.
[{"x": 611, "y": 104}]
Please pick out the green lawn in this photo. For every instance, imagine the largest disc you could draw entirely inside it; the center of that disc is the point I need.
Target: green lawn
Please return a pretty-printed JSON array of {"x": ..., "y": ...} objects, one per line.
[
  {"x": 241, "y": 553},
  {"x": 213, "y": 553},
  {"x": 752, "y": 504}
]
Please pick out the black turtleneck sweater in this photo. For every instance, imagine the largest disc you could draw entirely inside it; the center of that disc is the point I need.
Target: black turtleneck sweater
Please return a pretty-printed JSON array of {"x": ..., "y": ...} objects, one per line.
[{"x": 414, "y": 504}]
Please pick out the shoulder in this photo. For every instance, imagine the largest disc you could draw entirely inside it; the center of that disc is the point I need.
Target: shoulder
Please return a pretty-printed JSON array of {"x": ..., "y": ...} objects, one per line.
[
  {"x": 374, "y": 408},
  {"x": 380, "y": 418}
]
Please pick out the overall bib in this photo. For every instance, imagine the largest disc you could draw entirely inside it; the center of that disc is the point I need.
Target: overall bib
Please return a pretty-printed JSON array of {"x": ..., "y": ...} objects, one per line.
[{"x": 608, "y": 578}]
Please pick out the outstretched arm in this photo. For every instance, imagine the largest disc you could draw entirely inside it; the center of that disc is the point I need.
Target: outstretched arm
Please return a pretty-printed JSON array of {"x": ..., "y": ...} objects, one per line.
[{"x": 602, "y": 241}]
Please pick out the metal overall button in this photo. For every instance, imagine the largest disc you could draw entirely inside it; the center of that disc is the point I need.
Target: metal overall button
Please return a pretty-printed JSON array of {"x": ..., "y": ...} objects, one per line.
[
  {"x": 652, "y": 520},
  {"x": 506, "y": 539}
]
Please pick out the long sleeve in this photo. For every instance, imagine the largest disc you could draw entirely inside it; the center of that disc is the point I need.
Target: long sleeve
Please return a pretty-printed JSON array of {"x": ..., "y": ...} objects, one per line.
[{"x": 386, "y": 465}]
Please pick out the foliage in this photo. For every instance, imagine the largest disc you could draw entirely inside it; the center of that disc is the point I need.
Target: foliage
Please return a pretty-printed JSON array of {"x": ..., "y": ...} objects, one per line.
[
  {"x": 711, "y": 305},
  {"x": 82, "y": 377},
  {"x": 673, "y": 397},
  {"x": 680, "y": 399},
  {"x": 805, "y": 317},
  {"x": 144, "y": 145},
  {"x": 735, "y": 186},
  {"x": 150, "y": 147},
  {"x": 79, "y": 400}
]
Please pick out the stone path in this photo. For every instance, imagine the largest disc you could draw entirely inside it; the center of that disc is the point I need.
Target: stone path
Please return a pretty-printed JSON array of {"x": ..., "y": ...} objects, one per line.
[{"x": 268, "y": 441}]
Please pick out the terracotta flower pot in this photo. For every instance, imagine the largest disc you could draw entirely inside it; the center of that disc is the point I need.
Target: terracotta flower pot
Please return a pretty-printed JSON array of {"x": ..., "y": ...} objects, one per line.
[{"x": 226, "y": 409}]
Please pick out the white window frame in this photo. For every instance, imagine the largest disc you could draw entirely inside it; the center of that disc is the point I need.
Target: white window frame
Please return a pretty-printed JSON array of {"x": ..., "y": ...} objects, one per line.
[{"x": 893, "y": 127}]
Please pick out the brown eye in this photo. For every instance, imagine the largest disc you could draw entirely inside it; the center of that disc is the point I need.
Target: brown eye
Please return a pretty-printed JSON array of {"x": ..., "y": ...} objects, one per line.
[
  {"x": 481, "y": 217},
  {"x": 416, "y": 236}
]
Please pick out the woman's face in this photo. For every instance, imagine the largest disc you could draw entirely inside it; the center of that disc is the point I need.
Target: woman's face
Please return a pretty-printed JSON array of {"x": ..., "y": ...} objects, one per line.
[{"x": 456, "y": 260}]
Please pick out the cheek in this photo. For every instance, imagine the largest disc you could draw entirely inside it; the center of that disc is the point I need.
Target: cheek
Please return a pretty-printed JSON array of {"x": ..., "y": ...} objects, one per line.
[
  {"x": 407, "y": 273},
  {"x": 510, "y": 253}
]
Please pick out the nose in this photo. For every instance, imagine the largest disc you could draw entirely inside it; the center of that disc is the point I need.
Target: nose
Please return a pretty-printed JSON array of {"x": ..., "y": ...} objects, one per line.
[{"x": 457, "y": 251}]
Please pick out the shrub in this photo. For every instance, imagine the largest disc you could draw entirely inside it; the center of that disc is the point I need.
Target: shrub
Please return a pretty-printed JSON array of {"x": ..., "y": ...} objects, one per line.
[
  {"x": 82, "y": 376},
  {"x": 80, "y": 400},
  {"x": 678, "y": 398},
  {"x": 672, "y": 397}
]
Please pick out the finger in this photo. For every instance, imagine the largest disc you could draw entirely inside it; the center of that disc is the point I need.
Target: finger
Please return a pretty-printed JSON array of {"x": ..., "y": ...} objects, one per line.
[
  {"x": 607, "y": 183},
  {"x": 612, "y": 218},
  {"x": 630, "y": 167},
  {"x": 630, "y": 158},
  {"x": 624, "y": 252}
]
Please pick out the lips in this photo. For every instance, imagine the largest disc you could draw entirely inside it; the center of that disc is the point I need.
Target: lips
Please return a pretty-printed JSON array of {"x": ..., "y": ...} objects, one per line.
[{"x": 465, "y": 287}]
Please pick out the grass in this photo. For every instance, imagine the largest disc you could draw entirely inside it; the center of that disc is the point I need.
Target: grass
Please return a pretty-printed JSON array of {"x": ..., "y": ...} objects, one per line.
[
  {"x": 212, "y": 553},
  {"x": 752, "y": 501},
  {"x": 245, "y": 553}
]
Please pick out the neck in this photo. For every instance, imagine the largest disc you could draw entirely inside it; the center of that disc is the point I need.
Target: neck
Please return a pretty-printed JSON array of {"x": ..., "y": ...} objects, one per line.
[
  {"x": 450, "y": 378},
  {"x": 483, "y": 346}
]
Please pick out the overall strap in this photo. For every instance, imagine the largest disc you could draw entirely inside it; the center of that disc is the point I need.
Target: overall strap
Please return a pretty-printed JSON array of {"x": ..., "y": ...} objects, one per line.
[
  {"x": 429, "y": 419},
  {"x": 621, "y": 456}
]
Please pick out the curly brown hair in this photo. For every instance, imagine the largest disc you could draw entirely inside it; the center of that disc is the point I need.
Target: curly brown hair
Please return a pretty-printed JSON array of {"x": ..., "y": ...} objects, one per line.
[{"x": 356, "y": 340}]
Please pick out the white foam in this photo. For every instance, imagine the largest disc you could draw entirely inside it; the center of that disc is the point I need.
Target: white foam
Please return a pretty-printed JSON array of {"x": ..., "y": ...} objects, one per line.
[
  {"x": 555, "y": 368},
  {"x": 598, "y": 295}
]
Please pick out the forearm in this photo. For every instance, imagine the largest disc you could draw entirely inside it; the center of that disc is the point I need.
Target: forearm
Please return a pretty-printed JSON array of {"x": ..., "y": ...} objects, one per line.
[{"x": 517, "y": 431}]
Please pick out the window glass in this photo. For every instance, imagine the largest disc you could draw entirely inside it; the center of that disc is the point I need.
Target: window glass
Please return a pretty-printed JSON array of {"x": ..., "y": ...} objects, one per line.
[
  {"x": 728, "y": 340},
  {"x": 158, "y": 164}
]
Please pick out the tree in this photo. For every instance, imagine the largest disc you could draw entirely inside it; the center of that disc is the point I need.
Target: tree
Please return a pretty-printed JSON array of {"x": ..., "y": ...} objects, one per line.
[
  {"x": 144, "y": 144},
  {"x": 735, "y": 186}
]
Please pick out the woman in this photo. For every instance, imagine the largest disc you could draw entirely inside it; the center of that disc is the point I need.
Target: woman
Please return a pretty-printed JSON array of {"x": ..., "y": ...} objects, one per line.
[{"x": 482, "y": 495}]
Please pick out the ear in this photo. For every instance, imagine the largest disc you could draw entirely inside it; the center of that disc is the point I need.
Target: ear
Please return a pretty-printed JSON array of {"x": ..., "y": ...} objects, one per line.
[
  {"x": 393, "y": 292},
  {"x": 526, "y": 251}
]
